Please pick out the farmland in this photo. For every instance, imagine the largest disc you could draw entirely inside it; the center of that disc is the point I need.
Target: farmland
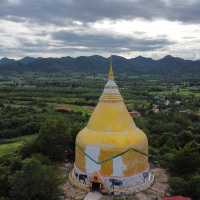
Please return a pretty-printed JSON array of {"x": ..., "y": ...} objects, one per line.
[{"x": 169, "y": 114}]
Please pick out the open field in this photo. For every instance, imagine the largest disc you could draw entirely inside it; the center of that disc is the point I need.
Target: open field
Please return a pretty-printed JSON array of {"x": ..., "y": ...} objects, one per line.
[{"x": 9, "y": 146}]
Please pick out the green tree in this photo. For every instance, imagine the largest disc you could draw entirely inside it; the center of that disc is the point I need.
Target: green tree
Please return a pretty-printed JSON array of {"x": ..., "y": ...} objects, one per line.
[
  {"x": 184, "y": 137},
  {"x": 178, "y": 186},
  {"x": 35, "y": 181},
  {"x": 194, "y": 190},
  {"x": 4, "y": 183},
  {"x": 185, "y": 161},
  {"x": 53, "y": 139}
]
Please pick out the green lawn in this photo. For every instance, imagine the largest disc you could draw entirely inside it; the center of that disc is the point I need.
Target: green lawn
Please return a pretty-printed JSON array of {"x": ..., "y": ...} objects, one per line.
[{"x": 11, "y": 145}]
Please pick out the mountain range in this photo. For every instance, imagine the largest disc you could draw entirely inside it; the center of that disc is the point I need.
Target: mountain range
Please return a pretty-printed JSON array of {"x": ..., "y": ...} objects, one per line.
[{"x": 167, "y": 65}]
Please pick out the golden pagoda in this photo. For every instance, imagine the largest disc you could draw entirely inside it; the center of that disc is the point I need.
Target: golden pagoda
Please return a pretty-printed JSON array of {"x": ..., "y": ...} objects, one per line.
[{"x": 112, "y": 146}]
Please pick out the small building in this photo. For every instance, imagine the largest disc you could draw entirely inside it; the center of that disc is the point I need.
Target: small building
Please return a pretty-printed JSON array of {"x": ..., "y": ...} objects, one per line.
[
  {"x": 155, "y": 108},
  {"x": 177, "y": 102},
  {"x": 62, "y": 108},
  {"x": 187, "y": 111},
  {"x": 135, "y": 113},
  {"x": 167, "y": 102}
]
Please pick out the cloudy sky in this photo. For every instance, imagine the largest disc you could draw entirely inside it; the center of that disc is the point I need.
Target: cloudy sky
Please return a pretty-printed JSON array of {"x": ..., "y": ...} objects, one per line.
[{"x": 151, "y": 28}]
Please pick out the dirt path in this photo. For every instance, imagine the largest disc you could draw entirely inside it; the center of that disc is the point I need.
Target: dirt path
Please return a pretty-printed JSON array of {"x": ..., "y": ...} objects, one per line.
[{"x": 93, "y": 196}]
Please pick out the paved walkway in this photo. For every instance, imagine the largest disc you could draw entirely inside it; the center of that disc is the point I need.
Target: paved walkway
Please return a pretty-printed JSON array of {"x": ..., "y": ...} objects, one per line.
[{"x": 93, "y": 196}]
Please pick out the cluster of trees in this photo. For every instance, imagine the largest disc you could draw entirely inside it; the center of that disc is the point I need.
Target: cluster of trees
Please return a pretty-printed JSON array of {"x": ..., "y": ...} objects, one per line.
[
  {"x": 31, "y": 178},
  {"x": 18, "y": 121},
  {"x": 56, "y": 138},
  {"x": 184, "y": 166},
  {"x": 174, "y": 139},
  {"x": 31, "y": 172}
]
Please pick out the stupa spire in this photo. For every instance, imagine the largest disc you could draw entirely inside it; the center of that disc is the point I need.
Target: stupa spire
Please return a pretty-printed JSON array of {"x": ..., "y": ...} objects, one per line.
[{"x": 110, "y": 73}]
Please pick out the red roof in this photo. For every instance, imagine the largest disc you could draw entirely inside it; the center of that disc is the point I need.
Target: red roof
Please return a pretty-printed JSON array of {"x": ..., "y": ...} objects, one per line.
[{"x": 177, "y": 198}]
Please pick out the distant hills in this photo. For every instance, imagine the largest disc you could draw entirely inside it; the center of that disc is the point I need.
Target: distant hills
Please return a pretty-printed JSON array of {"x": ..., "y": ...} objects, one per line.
[{"x": 168, "y": 65}]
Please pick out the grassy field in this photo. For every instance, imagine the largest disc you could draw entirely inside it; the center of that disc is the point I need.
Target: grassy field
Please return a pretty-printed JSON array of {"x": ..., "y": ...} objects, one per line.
[{"x": 11, "y": 145}]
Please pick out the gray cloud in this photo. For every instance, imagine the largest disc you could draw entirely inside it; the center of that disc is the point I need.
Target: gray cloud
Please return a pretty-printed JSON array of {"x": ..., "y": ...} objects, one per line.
[
  {"x": 39, "y": 18},
  {"x": 110, "y": 43},
  {"x": 74, "y": 43},
  {"x": 59, "y": 11}
]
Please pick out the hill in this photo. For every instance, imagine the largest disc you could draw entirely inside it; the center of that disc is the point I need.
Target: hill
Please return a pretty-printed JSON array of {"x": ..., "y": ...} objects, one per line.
[{"x": 168, "y": 65}]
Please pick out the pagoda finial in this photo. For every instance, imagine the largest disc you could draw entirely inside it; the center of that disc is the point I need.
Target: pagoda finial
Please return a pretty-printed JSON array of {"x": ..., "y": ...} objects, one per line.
[{"x": 110, "y": 73}]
